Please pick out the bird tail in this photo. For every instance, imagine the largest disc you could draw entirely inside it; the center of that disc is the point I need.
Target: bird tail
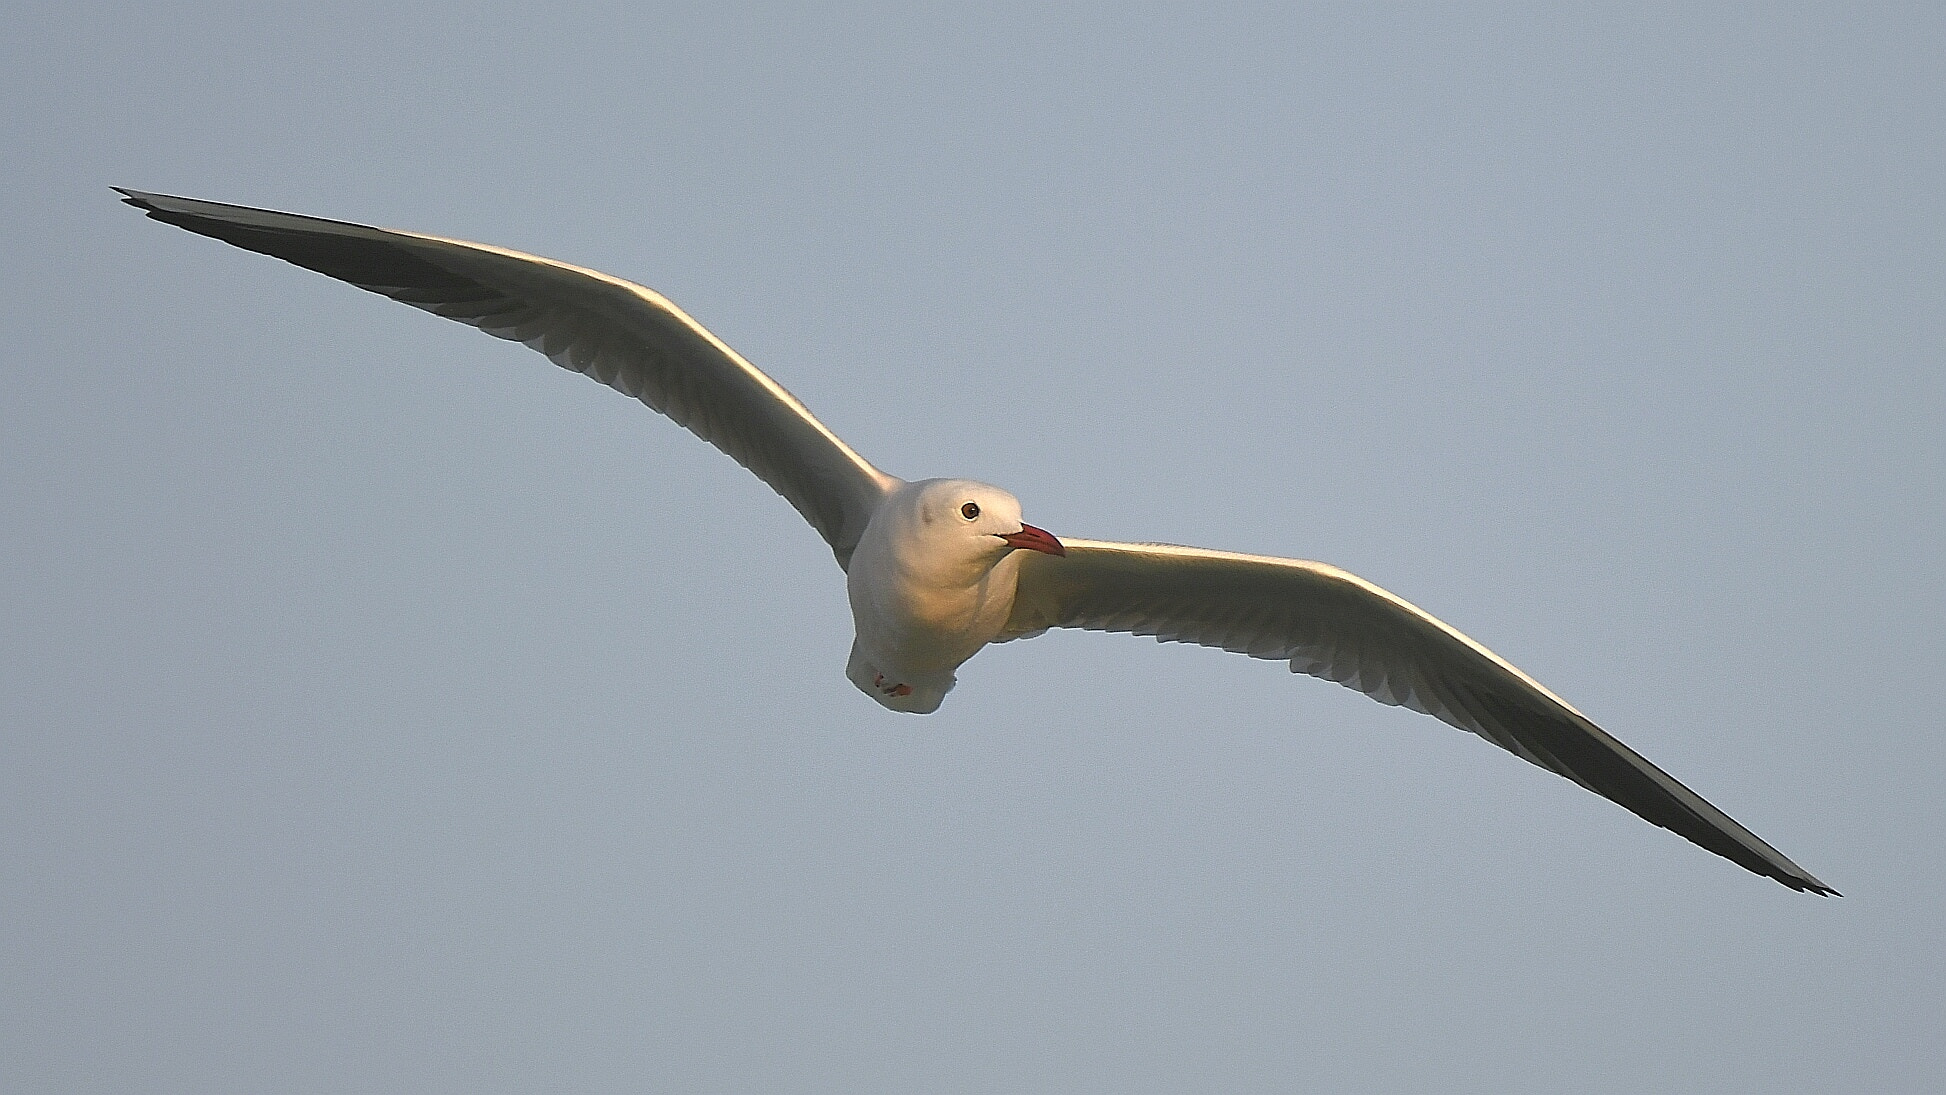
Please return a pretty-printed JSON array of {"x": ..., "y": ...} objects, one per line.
[{"x": 919, "y": 697}]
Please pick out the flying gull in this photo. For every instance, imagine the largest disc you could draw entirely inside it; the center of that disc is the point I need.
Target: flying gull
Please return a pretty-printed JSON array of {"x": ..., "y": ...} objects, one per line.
[{"x": 938, "y": 568}]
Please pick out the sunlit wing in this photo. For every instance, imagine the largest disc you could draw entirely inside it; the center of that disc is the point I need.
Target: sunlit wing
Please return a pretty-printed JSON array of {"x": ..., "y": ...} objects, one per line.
[
  {"x": 622, "y": 334},
  {"x": 1337, "y": 626}
]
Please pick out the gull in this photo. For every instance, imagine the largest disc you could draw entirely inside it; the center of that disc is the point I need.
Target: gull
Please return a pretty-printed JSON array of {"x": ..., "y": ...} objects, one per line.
[{"x": 938, "y": 568}]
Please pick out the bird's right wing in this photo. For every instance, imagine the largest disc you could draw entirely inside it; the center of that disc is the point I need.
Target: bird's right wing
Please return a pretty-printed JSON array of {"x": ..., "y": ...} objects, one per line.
[
  {"x": 622, "y": 334},
  {"x": 1341, "y": 628}
]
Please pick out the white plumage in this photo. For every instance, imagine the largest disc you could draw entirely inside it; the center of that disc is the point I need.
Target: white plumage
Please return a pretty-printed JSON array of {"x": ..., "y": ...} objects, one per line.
[{"x": 939, "y": 568}]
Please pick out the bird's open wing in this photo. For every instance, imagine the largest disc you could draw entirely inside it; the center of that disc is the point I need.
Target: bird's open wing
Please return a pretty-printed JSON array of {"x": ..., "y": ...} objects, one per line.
[
  {"x": 626, "y": 336},
  {"x": 1337, "y": 626}
]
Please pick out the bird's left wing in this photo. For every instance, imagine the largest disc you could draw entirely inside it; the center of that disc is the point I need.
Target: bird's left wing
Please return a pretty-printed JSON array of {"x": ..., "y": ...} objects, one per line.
[
  {"x": 622, "y": 334},
  {"x": 1341, "y": 628}
]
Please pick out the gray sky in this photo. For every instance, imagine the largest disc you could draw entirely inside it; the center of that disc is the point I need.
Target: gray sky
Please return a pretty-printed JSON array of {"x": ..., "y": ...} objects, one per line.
[{"x": 382, "y": 708}]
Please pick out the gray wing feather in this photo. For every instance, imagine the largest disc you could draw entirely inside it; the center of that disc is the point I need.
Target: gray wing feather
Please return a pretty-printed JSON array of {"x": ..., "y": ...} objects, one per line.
[
  {"x": 1336, "y": 626},
  {"x": 621, "y": 334}
]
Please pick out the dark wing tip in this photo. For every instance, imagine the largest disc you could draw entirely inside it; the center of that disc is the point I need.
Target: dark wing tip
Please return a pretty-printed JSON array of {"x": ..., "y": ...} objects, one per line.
[
  {"x": 1797, "y": 878},
  {"x": 1812, "y": 885},
  {"x": 148, "y": 203}
]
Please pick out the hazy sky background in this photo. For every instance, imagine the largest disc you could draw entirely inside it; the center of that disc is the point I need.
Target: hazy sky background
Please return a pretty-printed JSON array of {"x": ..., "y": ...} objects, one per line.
[{"x": 385, "y": 709}]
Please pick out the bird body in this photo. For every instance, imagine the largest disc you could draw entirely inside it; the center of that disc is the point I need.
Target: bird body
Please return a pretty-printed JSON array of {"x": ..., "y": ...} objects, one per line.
[
  {"x": 929, "y": 586},
  {"x": 936, "y": 569}
]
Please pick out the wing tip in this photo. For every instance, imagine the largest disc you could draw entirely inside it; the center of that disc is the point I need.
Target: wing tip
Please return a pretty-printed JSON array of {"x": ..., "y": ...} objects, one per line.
[{"x": 152, "y": 204}]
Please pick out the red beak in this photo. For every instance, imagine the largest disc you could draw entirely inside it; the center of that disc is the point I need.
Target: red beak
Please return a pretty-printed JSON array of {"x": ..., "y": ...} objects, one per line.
[{"x": 1034, "y": 539}]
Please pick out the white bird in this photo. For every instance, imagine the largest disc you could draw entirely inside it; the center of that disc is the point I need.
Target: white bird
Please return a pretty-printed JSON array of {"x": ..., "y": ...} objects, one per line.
[{"x": 937, "y": 569}]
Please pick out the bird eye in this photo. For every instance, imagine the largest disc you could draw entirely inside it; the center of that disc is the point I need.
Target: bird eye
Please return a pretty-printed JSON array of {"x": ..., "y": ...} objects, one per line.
[{"x": 970, "y": 511}]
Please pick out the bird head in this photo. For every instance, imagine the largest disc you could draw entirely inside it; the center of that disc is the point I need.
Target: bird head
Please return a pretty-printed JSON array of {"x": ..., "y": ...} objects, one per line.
[{"x": 962, "y": 523}]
